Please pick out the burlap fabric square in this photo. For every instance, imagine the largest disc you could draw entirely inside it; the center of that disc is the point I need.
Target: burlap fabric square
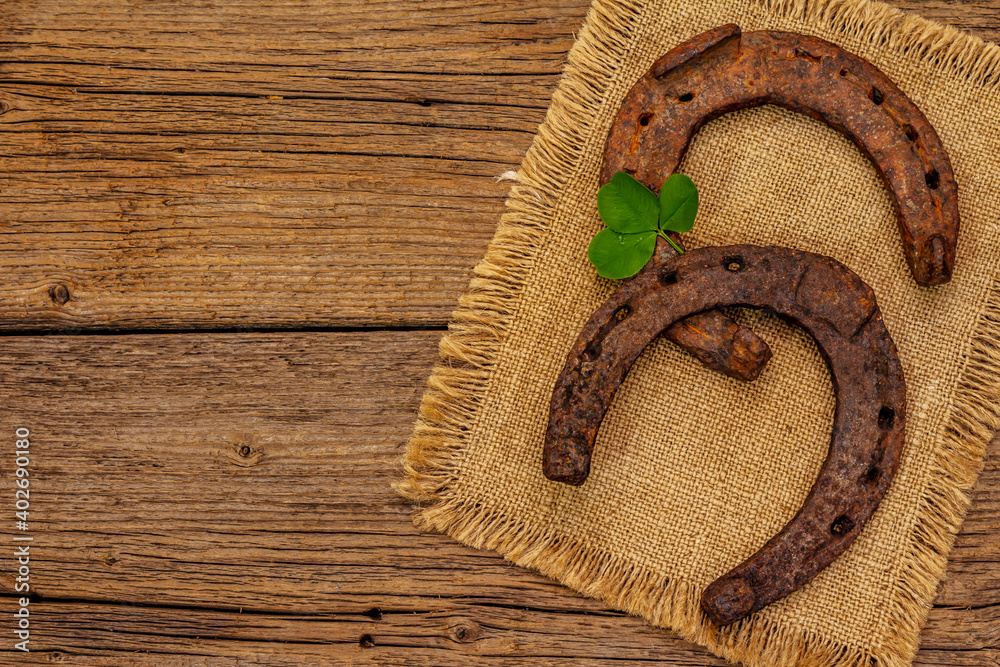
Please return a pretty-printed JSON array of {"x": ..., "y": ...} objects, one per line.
[{"x": 693, "y": 471}]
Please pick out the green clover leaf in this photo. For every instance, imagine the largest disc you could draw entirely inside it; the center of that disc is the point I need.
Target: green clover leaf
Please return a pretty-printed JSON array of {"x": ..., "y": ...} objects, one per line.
[
  {"x": 618, "y": 255},
  {"x": 678, "y": 204},
  {"x": 627, "y": 206},
  {"x": 635, "y": 217}
]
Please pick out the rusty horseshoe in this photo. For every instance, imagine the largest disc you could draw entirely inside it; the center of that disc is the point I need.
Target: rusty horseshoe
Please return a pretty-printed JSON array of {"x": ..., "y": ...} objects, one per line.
[
  {"x": 723, "y": 70},
  {"x": 831, "y": 303}
]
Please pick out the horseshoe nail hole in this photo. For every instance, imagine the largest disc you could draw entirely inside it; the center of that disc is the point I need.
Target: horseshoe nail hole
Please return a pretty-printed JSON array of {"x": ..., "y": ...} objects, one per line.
[
  {"x": 843, "y": 72},
  {"x": 668, "y": 278},
  {"x": 842, "y": 525},
  {"x": 877, "y": 96},
  {"x": 644, "y": 119},
  {"x": 911, "y": 134},
  {"x": 872, "y": 474},
  {"x": 592, "y": 352},
  {"x": 366, "y": 641},
  {"x": 374, "y": 613},
  {"x": 733, "y": 264},
  {"x": 686, "y": 97},
  {"x": 629, "y": 170},
  {"x": 622, "y": 313},
  {"x": 933, "y": 179},
  {"x": 886, "y": 417}
]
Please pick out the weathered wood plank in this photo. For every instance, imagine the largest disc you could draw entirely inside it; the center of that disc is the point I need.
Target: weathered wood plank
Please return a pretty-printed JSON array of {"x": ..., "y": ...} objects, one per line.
[
  {"x": 279, "y": 164},
  {"x": 272, "y": 164},
  {"x": 475, "y": 634},
  {"x": 213, "y": 495},
  {"x": 330, "y": 37}
]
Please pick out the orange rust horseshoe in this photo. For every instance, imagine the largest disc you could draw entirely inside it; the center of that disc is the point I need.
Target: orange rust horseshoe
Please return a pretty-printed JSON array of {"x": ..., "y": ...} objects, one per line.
[
  {"x": 830, "y": 302},
  {"x": 723, "y": 70}
]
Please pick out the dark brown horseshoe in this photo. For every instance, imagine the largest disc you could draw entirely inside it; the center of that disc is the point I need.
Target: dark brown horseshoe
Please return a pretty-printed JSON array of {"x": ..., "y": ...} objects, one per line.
[
  {"x": 827, "y": 300},
  {"x": 724, "y": 70}
]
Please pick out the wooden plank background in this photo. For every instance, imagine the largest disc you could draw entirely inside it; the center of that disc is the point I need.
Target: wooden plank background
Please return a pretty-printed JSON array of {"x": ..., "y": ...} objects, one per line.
[{"x": 232, "y": 234}]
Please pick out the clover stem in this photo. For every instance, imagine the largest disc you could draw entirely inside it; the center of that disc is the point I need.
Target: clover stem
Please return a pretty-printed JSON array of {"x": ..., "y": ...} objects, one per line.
[{"x": 670, "y": 241}]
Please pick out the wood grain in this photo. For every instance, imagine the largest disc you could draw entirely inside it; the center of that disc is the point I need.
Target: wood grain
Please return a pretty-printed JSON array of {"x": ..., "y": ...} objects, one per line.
[
  {"x": 228, "y": 497},
  {"x": 278, "y": 164},
  {"x": 275, "y": 165},
  {"x": 225, "y": 498}
]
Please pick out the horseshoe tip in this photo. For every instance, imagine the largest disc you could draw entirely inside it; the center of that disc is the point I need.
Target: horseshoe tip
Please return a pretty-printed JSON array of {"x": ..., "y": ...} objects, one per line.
[
  {"x": 936, "y": 265},
  {"x": 728, "y": 600},
  {"x": 566, "y": 460},
  {"x": 750, "y": 355},
  {"x": 693, "y": 48}
]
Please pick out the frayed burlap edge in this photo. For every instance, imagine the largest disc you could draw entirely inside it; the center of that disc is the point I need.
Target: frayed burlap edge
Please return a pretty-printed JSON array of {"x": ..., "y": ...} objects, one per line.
[{"x": 480, "y": 326}]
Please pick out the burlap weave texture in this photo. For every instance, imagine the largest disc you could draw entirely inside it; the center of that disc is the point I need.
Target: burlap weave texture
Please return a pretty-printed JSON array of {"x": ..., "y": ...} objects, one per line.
[{"x": 693, "y": 471}]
